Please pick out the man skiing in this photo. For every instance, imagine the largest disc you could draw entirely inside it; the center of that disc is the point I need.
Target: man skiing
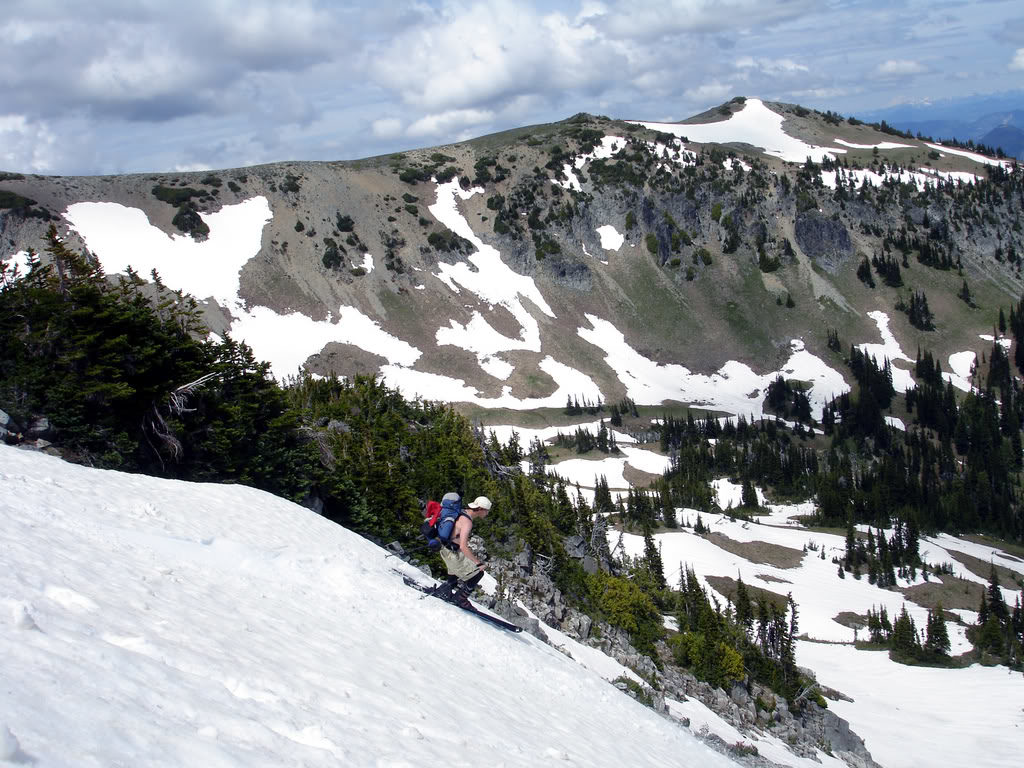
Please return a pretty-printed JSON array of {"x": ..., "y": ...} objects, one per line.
[{"x": 465, "y": 569}]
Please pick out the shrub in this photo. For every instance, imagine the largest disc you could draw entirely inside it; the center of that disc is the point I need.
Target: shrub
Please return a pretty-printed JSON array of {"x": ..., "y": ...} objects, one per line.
[
  {"x": 344, "y": 223},
  {"x": 705, "y": 256},
  {"x": 176, "y": 197},
  {"x": 187, "y": 219},
  {"x": 624, "y": 605},
  {"x": 630, "y": 220},
  {"x": 652, "y": 243},
  {"x": 716, "y": 212}
]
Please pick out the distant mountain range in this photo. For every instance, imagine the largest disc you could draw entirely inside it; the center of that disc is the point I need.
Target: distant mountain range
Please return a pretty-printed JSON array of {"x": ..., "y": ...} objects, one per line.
[{"x": 996, "y": 121}]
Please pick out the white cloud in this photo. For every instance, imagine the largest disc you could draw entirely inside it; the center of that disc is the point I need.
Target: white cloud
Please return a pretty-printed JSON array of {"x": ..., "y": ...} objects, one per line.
[
  {"x": 1018, "y": 59},
  {"x": 487, "y": 54},
  {"x": 899, "y": 68},
  {"x": 653, "y": 19},
  {"x": 770, "y": 66},
  {"x": 387, "y": 128},
  {"x": 713, "y": 91},
  {"x": 26, "y": 145},
  {"x": 447, "y": 122}
]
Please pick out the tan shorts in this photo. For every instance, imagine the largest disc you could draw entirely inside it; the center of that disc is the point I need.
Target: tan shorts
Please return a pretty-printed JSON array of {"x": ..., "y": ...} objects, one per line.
[{"x": 458, "y": 564}]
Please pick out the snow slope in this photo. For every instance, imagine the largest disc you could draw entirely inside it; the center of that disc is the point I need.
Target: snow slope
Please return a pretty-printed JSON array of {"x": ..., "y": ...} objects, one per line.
[{"x": 147, "y": 622}]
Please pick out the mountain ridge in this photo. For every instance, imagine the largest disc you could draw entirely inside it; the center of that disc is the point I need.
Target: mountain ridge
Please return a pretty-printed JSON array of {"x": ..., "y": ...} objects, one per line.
[{"x": 660, "y": 292}]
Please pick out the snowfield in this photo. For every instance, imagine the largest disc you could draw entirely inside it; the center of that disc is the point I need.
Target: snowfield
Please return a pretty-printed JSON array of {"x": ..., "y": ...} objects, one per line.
[
  {"x": 158, "y": 623},
  {"x": 734, "y": 388},
  {"x": 908, "y": 716},
  {"x": 890, "y": 350},
  {"x": 915, "y": 716},
  {"x": 754, "y": 124}
]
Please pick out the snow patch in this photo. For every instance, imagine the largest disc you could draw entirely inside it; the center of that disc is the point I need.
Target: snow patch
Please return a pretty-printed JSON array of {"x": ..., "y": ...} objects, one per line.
[
  {"x": 889, "y": 350},
  {"x": 755, "y": 124},
  {"x": 734, "y": 388},
  {"x": 611, "y": 240}
]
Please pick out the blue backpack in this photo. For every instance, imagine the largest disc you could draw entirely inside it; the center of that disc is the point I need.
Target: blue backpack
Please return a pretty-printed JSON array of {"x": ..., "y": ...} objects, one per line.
[{"x": 439, "y": 525}]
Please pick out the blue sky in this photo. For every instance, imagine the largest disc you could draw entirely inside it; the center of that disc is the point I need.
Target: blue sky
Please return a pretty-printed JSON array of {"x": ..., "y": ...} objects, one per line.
[{"x": 138, "y": 85}]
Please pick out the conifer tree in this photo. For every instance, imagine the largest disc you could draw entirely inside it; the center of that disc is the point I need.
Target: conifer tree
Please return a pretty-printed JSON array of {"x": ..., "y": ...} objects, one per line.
[{"x": 936, "y": 636}]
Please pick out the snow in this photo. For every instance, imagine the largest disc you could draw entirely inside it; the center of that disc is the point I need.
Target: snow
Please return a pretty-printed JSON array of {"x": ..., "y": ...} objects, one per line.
[
  {"x": 969, "y": 155},
  {"x": 485, "y": 274},
  {"x": 609, "y": 146},
  {"x": 768, "y": 746},
  {"x": 814, "y": 583},
  {"x": 585, "y": 471},
  {"x": 729, "y": 163},
  {"x": 367, "y": 263},
  {"x": 896, "y": 423},
  {"x": 287, "y": 340},
  {"x": 729, "y": 494},
  {"x": 18, "y": 261},
  {"x": 755, "y": 124},
  {"x": 122, "y": 237},
  {"x": 571, "y": 182},
  {"x": 734, "y": 388},
  {"x": 952, "y": 544},
  {"x": 880, "y": 145},
  {"x": 1003, "y": 342},
  {"x": 197, "y": 624},
  {"x": 435, "y": 386},
  {"x": 914, "y": 716},
  {"x": 496, "y": 367},
  {"x": 921, "y": 178},
  {"x": 611, "y": 240},
  {"x": 961, "y": 367},
  {"x": 889, "y": 350},
  {"x": 503, "y": 432}
]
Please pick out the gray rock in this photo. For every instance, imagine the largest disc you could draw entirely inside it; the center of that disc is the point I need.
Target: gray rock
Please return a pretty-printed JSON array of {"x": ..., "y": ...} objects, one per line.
[
  {"x": 590, "y": 565},
  {"x": 825, "y": 240},
  {"x": 8, "y": 423},
  {"x": 739, "y": 694},
  {"x": 575, "y": 546}
]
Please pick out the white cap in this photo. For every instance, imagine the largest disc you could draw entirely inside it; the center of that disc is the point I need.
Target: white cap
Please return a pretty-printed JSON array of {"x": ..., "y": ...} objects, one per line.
[{"x": 481, "y": 502}]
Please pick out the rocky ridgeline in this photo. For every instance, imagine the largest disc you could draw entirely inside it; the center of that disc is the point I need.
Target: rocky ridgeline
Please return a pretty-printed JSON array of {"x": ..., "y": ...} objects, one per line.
[{"x": 751, "y": 709}]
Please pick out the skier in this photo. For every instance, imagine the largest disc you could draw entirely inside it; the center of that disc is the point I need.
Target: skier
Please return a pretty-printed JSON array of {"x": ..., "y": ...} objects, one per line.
[{"x": 465, "y": 569}]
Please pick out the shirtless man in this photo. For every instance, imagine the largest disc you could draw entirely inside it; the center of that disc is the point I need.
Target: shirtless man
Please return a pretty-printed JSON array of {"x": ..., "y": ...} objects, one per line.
[{"x": 465, "y": 569}]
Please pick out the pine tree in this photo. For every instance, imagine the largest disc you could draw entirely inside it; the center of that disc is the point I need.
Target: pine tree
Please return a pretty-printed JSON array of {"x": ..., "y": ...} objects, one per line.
[{"x": 937, "y": 637}]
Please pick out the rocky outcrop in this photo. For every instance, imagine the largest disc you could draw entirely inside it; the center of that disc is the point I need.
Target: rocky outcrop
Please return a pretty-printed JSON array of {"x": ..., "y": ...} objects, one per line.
[
  {"x": 824, "y": 239},
  {"x": 528, "y": 595}
]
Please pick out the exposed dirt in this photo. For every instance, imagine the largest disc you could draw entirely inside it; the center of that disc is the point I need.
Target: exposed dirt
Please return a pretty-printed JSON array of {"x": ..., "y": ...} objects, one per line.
[
  {"x": 983, "y": 569},
  {"x": 759, "y": 551},
  {"x": 952, "y": 593}
]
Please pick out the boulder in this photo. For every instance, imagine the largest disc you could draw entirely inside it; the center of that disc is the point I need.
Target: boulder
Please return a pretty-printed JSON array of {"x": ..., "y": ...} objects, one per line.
[{"x": 575, "y": 546}]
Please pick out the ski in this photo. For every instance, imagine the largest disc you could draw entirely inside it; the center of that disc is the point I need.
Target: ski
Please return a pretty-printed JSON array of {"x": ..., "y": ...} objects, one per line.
[{"x": 494, "y": 620}]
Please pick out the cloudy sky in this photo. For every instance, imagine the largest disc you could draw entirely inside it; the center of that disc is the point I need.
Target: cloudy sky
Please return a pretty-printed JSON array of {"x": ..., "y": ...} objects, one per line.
[{"x": 116, "y": 86}]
